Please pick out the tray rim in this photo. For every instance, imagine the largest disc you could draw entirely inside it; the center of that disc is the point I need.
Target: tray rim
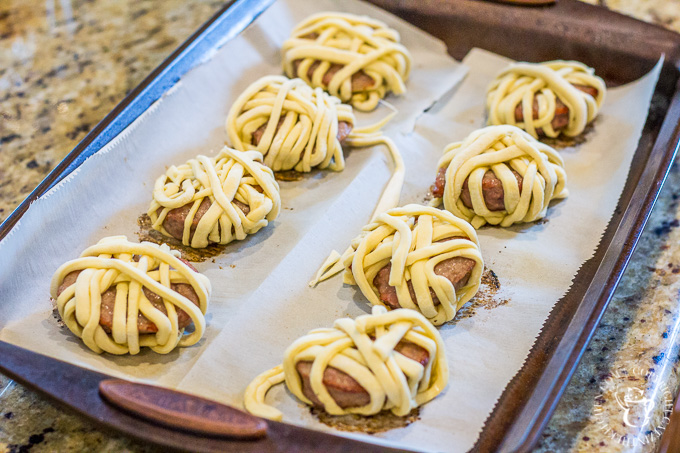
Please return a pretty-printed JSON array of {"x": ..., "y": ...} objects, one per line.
[
  {"x": 610, "y": 273},
  {"x": 227, "y": 20}
]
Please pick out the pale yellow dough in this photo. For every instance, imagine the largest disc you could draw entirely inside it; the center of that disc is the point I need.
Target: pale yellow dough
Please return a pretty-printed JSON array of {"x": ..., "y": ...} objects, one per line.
[
  {"x": 520, "y": 83},
  {"x": 413, "y": 240},
  {"x": 230, "y": 176},
  {"x": 306, "y": 139},
  {"x": 357, "y": 43},
  {"x": 502, "y": 149},
  {"x": 393, "y": 381},
  {"x": 114, "y": 262},
  {"x": 407, "y": 238}
]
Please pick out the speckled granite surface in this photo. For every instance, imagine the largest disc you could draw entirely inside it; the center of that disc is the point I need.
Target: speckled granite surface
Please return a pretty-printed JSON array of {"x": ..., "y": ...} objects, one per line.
[
  {"x": 64, "y": 65},
  {"x": 637, "y": 336}
]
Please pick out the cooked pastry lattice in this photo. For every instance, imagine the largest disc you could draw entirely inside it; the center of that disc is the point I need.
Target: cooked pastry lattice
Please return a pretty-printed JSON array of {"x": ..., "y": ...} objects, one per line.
[
  {"x": 535, "y": 92},
  {"x": 355, "y": 58},
  {"x": 413, "y": 257},
  {"x": 242, "y": 194},
  {"x": 512, "y": 155},
  {"x": 133, "y": 271},
  {"x": 413, "y": 240},
  {"x": 301, "y": 124},
  {"x": 297, "y": 128},
  {"x": 366, "y": 350}
]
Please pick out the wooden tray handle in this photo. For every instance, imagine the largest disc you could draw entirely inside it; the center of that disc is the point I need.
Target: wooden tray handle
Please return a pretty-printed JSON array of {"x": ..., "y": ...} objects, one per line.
[
  {"x": 181, "y": 411},
  {"x": 526, "y": 2}
]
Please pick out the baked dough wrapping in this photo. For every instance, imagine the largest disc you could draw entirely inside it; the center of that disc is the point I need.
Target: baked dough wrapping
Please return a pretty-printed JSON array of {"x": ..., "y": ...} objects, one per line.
[
  {"x": 230, "y": 196},
  {"x": 531, "y": 173},
  {"x": 356, "y": 58},
  {"x": 367, "y": 350},
  {"x": 133, "y": 271},
  {"x": 417, "y": 247},
  {"x": 297, "y": 128},
  {"x": 301, "y": 124},
  {"x": 533, "y": 96}
]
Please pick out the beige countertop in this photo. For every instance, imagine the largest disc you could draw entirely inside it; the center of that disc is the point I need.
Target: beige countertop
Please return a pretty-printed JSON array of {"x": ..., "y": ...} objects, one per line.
[{"x": 64, "y": 65}]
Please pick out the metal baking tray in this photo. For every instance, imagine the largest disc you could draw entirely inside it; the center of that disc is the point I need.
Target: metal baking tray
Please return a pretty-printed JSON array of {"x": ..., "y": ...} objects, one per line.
[{"x": 621, "y": 49}]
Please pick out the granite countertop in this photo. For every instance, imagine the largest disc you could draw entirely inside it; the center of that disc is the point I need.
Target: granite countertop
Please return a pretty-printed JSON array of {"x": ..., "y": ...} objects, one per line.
[{"x": 64, "y": 65}]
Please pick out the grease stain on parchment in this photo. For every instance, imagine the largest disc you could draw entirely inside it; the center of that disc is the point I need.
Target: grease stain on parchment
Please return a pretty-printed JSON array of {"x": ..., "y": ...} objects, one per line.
[
  {"x": 146, "y": 233},
  {"x": 378, "y": 423},
  {"x": 487, "y": 297}
]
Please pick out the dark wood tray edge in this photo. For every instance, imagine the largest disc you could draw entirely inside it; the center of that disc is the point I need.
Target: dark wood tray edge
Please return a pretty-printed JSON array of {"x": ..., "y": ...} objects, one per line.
[
  {"x": 618, "y": 251},
  {"x": 77, "y": 389}
]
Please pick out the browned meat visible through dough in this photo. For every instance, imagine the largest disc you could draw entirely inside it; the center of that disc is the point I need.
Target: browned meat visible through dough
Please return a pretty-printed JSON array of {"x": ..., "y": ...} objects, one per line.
[
  {"x": 437, "y": 188},
  {"x": 344, "y": 128},
  {"x": 492, "y": 189},
  {"x": 586, "y": 89},
  {"x": 457, "y": 270},
  {"x": 174, "y": 221},
  {"x": 343, "y": 388},
  {"x": 561, "y": 119},
  {"x": 144, "y": 326},
  {"x": 360, "y": 80}
]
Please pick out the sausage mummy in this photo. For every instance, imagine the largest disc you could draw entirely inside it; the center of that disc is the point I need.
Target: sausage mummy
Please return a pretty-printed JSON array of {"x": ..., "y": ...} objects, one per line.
[
  {"x": 292, "y": 125},
  {"x": 356, "y": 58},
  {"x": 298, "y": 127},
  {"x": 499, "y": 175},
  {"x": 546, "y": 98},
  {"x": 381, "y": 361},
  {"x": 416, "y": 257},
  {"x": 215, "y": 199},
  {"x": 120, "y": 296}
]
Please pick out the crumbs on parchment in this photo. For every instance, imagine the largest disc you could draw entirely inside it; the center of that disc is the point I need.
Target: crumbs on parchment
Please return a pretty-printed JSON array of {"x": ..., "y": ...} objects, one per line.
[
  {"x": 378, "y": 423},
  {"x": 146, "y": 233},
  {"x": 289, "y": 175},
  {"x": 55, "y": 313},
  {"x": 487, "y": 296},
  {"x": 562, "y": 141}
]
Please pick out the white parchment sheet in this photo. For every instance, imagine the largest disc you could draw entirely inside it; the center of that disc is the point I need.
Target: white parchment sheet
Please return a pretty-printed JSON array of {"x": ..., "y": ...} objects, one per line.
[{"x": 261, "y": 301}]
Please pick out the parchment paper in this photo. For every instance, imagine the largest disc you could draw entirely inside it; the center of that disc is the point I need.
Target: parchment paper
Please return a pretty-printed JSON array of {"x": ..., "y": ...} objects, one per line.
[{"x": 261, "y": 301}]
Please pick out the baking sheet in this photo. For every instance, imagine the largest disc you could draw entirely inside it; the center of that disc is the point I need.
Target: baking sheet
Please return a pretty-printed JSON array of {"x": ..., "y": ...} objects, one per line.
[{"x": 261, "y": 301}]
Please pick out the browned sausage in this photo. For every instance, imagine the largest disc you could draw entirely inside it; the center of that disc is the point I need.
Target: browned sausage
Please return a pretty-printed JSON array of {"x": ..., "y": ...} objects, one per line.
[
  {"x": 344, "y": 129},
  {"x": 587, "y": 89},
  {"x": 343, "y": 388},
  {"x": 561, "y": 119},
  {"x": 437, "y": 188},
  {"x": 144, "y": 326},
  {"x": 174, "y": 221},
  {"x": 457, "y": 270},
  {"x": 360, "y": 80},
  {"x": 492, "y": 189}
]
